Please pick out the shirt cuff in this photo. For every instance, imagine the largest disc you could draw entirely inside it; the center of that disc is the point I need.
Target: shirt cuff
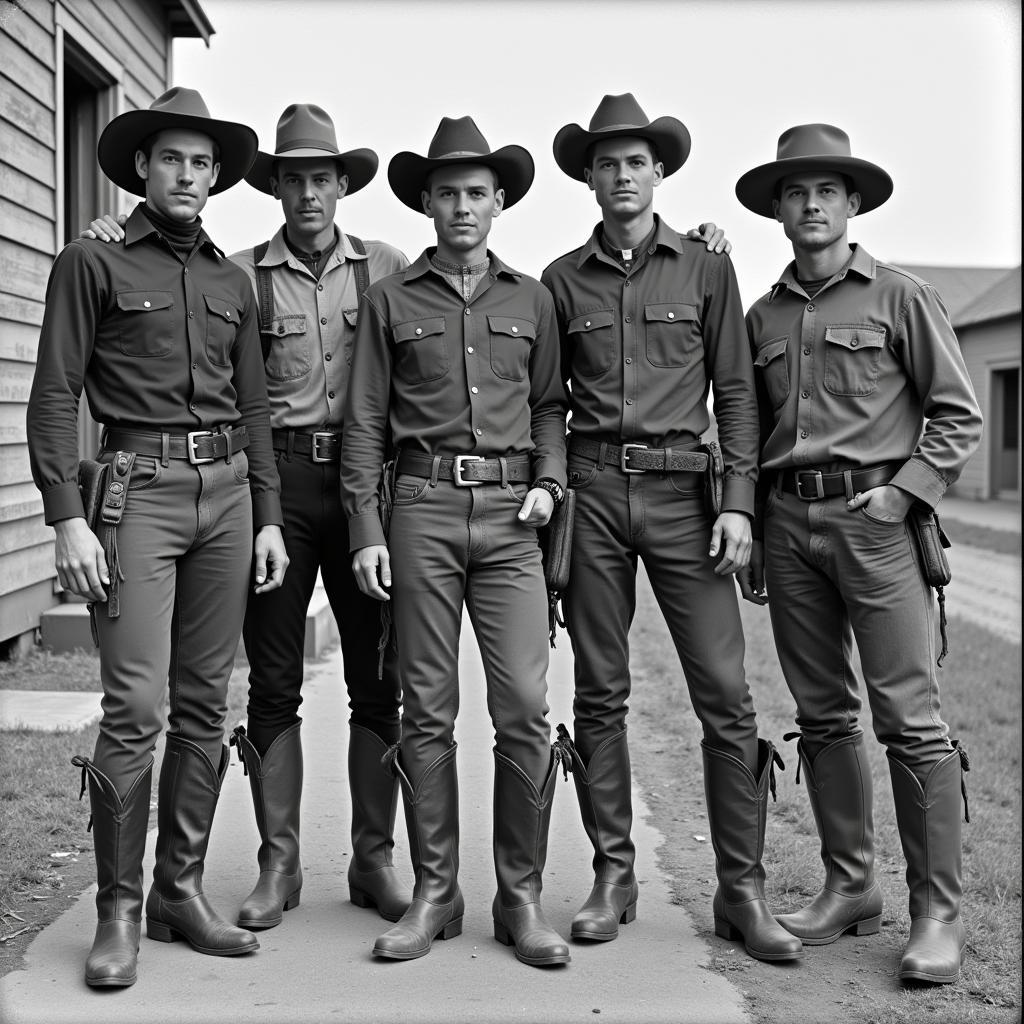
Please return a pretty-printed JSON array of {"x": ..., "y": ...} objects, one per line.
[
  {"x": 365, "y": 529},
  {"x": 62, "y": 502},
  {"x": 549, "y": 468},
  {"x": 738, "y": 495},
  {"x": 921, "y": 481},
  {"x": 266, "y": 510}
]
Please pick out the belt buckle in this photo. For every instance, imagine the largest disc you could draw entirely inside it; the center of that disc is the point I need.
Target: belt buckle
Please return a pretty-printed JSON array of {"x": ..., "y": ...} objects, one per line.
[
  {"x": 624, "y": 458},
  {"x": 320, "y": 437},
  {"x": 457, "y": 466},
  {"x": 192, "y": 446},
  {"x": 819, "y": 487}
]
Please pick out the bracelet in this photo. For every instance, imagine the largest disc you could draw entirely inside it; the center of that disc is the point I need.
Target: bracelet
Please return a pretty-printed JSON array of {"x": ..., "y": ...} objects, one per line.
[{"x": 552, "y": 487}]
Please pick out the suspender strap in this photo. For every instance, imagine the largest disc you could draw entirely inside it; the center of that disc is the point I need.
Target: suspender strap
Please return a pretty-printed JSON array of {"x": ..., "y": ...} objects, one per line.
[
  {"x": 362, "y": 271},
  {"x": 264, "y": 295}
]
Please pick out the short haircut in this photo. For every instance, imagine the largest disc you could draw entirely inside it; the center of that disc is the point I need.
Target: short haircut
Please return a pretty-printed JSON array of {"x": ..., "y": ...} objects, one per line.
[
  {"x": 428, "y": 181},
  {"x": 147, "y": 144},
  {"x": 589, "y": 157},
  {"x": 851, "y": 185}
]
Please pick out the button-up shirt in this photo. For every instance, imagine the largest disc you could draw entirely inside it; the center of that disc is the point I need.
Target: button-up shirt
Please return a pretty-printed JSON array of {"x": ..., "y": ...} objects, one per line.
[
  {"x": 159, "y": 343},
  {"x": 313, "y": 328},
  {"x": 450, "y": 377},
  {"x": 642, "y": 348},
  {"x": 849, "y": 377}
]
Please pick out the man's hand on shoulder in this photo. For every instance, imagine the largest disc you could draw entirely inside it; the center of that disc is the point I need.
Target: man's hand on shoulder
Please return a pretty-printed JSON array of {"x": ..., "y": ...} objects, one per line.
[
  {"x": 714, "y": 236},
  {"x": 106, "y": 228}
]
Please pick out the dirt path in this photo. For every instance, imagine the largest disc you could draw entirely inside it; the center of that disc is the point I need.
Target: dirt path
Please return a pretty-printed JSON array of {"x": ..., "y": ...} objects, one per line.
[{"x": 986, "y": 589}]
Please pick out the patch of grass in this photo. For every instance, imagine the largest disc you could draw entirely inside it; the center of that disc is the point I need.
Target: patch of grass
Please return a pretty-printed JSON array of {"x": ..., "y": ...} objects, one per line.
[
  {"x": 41, "y": 670},
  {"x": 976, "y": 536}
]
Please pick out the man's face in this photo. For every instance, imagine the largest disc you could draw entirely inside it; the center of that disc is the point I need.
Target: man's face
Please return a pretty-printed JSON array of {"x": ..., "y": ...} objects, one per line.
[
  {"x": 814, "y": 208},
  {"x": 462, "y": 200},
  {"x": 309, "y": 190},
  {"x": 623, "y": 174},
  {"x": 179, "y": 173}
]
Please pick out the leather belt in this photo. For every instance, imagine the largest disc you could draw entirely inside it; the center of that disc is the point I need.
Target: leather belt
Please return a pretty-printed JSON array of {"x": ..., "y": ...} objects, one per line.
[
  {"x": 319, "y": 445},
  {"x": 638, "y": 458},
  {"x": 813, "y": 485},
  {"x": 198, "y": 446},
  {"x": 466, "y": 470}
]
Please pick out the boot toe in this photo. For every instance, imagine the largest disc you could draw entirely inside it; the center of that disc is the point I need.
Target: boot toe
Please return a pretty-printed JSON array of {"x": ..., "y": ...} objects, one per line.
[
  {"x": 112, "y": 959},
  {"x": 933, "y": 951}
]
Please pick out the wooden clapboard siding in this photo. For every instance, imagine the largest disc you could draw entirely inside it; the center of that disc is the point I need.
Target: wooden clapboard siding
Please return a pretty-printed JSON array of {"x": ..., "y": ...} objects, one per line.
[{"x": 18, "y": 340}]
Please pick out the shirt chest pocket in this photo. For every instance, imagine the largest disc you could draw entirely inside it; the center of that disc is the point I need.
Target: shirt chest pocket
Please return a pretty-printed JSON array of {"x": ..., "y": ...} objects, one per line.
[
  {"x": 592, "y": 340},
  {"x": 146, "y": 323},
  {"x": 672, "y": 331},
  {"x": 852, "y": 357},
  {"x": 421, "y": 353},
  {"x": 511, "y": 338},
  {"x": 289, "y": 355},
  {"x": 221, "y": 328},
  {"x": 771, "y": 362}
]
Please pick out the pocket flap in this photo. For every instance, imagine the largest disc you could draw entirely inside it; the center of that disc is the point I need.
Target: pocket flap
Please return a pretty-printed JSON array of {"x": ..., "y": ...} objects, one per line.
[
  {"x": 351, "y": 316},
  {"x": 222, "y": 308},
  {"x": 856, "y": 336},
  {"x": 416, "y": 329},
  {"x": 669, "y": 312},
  {"x": 769, "y": 350},
  {"x": 513, "y": 326},
  {"x": 144, "y": 302},
  {"x": 290, "y": 323},
  {"x": 590, "y": 321}
]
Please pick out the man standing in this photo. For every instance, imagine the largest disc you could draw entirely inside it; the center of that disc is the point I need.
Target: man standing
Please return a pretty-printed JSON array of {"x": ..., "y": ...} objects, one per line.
[
  {"x": 456, "y": 360},
  {"x": 649, "y": 320},
  {"x": 866, "y": 409},
  {"x": 161, "y": 332}
]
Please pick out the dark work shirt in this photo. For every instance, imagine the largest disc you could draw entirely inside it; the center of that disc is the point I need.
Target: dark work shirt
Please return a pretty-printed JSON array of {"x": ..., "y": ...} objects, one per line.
[
  {"x": 158, "y": 344},
  {"x": 643, "y": 347}
]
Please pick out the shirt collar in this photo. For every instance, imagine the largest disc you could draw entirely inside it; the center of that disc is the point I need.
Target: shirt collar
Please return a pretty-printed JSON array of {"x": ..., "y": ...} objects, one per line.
[
  {"x": 663, "y": 236},
  {"x": 278, "y": 251},
  {"x": 861, "y": 263},
  {"x": 139, "y": 226},
  {"x": 423, "y": 266}
]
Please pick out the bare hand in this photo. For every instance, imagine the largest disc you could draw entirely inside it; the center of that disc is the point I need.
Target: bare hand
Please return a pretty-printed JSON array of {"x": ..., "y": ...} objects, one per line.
[
  {"x": 79, "y": 559},
  {"x": 372, "y": 568},
  {"x": 734, "y": 529},
  {"x": 888, "y": 503},
  {"x": 538, "y": 505},
  {"x": 270, "y": 554},
  {"x": 751, "y": 578},
  {"x": 713, "y": 235},
  {"x": 106, "y": 228}
]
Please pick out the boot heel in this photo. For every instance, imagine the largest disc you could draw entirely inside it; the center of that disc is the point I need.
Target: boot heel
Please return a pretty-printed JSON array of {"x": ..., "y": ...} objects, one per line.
[
  {"x": 360, "y": 898},
  {"x": 726, "y": 930},
  {"x": 869, "y": 926},
  {"x": 293, "y": 901},
  {"x": 450, "y": 930},
  {"x": 501, "y": 933},
  {"x": 160, "y": 932},
  {"x": 629, "y": 914}
]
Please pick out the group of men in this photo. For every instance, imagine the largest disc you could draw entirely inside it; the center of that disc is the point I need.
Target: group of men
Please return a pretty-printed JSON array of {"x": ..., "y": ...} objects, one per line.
[{"x": 406, "y": 437}]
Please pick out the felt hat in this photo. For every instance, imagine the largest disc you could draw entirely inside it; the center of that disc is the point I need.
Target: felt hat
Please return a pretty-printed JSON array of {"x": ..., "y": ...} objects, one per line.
[
  {"x": 176, "y": 108},
  {"x": 619, "y": 117},
  {"x": 813, "y": 147},
  {"x": 305, "y": 130},
  {"x": 459, "y": 141}
]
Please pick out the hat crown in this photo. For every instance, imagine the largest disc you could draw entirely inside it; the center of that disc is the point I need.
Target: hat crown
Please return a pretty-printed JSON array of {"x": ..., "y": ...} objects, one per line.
[
  {"x": 305, "y": 126},
  {"x": 457, "y": 136},
  {"x": 182, "y": 101},
  {"x": 810, "y": 140},
  {"x": 614, "y": 112}
]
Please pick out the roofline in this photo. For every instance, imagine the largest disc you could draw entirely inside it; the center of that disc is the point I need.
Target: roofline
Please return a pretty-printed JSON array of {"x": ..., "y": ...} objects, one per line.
[{"x": 187, "y": 19}]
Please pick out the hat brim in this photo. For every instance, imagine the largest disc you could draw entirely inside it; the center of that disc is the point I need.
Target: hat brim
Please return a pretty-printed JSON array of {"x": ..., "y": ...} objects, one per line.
[
  {"x": 123, "y": 136},
  {"x": 408, "y": 172},
  {"x": 359, "y": 164},
  {"x": 669, "y": 136},
  {"x": 756, "y": 189}
]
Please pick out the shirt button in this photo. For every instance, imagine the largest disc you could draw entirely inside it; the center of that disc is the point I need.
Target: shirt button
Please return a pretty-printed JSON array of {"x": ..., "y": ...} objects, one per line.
[
  {"x": 479, "y": 431},
  {"x": 803, "y": 433},
  {"x": 323, "y": 319},
  {"x": 627, "y": 284},
  {"x": 805, "y": 394},
  {"x": 853, "y": 344},
  {"x": 807, "y": 351},
  {"x": 467, "y": 311},
  {"x": 192, "y": 406},
  {"x": 515, "y": 330},
  {"x": 419, "y": 330},
  {"x": 330, "y": 394},
  {"x": 319, "y": 287},
  {"x": 470, "y": 350},
  {"x": 475, "y": 390},
  {"x": 186, "y": 270},
  {"x": 195, "y": 366},
  {"x": 191, "y": 315},
  {"x": 587, "y": 324},
  {"x": 629, "y": 319},
  {"x": 810, "y": 307},
  {"x": 629, "y": 401},
  {"x": 147, "y": 304},
  {"x": 671, "y": 316},
  {"x": 628, "y": 360},
  {"x": 328, "y": 357}
]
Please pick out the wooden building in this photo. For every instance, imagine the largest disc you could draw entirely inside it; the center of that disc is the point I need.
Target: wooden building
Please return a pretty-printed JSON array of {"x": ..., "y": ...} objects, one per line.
[{"x": 66, "y": 68}]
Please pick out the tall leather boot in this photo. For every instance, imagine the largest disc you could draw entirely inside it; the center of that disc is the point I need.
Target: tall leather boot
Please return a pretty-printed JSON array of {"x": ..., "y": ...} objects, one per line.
[
  {"x": 119, "y": 830},
  {"x": 521, "y": 820},
  {"x": 176, "y": 907},
  {"x": 604, "y": 790},
  {"x": 929, "y": 821},
  {"x": 372, "y": 878},
  {"x": 276, "y": 784},
  {"x": 737, "y": 814},
  {"x": 839, "y": 789},
  {"x": 432, "y": 814}
]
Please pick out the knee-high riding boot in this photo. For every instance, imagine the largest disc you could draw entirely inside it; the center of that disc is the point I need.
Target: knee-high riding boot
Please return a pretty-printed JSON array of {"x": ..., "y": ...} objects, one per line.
[
  {"x": 839, "y": 789},
  {"x": 737, "y": 813},
  {"x": 522, "y": 816},
  {"x": 432, "y": 814},
  {"x": 176, "y": 907},
  {"x": 372, "y": 878},
  {"x": 604, "y": 790},
  {"x": 276, "y": 784},
  {"x": 929, "y": 821},
  {"x": 119, "y": 842}
]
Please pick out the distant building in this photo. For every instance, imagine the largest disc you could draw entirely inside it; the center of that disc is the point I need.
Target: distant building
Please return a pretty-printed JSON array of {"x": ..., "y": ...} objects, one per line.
[
  {"x": 66, "y": 68},
  {"x": 985, "y": 307}
]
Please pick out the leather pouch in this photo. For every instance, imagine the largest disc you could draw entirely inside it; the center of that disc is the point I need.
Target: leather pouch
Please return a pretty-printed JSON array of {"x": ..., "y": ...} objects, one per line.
[
  {"x": 556, "y": 553},
  {"x": 92, "y": 483},
  {"x": 714, "y": 483},
  {"x": 931, "y": 543}
]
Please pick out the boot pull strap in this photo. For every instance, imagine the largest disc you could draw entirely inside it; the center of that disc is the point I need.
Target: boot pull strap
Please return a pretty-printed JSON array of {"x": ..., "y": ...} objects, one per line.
[
  {"x": 965, "y": 766},
  {"x": 83, "y": 762},
  {"x": 234, "y": 740},
  {"x": 776, "y": 759},
  {"x": 563, "y": 751},
  {"x": 786, "y": 737},
  {"x": 389, "y": 759}
]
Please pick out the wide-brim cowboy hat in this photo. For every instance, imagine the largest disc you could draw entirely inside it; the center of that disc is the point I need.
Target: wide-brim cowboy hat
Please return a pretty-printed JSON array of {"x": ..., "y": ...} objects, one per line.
[
  {"x": 306, "y": 131},
  {"x": 459, "y": 141},
  {"x": 619, "y": 117},
  {"x": 813, "y": 147},
  {"x": 176, "y": 108}
]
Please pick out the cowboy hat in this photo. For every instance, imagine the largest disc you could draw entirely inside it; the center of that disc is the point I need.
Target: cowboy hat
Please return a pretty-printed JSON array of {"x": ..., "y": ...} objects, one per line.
[
  {"x": 303, "y": 131},
  {"x": 618, "y": 117},
  {"x": 459, "y": 141},
  {"x": 176, "y": 108},
  {"x": 812, "y": 147}
]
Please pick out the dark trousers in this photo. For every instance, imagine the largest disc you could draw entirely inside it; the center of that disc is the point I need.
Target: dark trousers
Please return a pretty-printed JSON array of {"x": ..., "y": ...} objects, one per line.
[
  {"x": 660, "y": 518},
  {"x": 185, "y": 549},
  {"x": 316, "y": 538}
]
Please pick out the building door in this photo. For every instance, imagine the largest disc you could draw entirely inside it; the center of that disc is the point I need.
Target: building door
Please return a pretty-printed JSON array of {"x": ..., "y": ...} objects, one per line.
[{"x": 1005, "y": 433}]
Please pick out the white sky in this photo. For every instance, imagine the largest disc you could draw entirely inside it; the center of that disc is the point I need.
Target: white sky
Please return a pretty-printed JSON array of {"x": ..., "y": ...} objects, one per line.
[{"x": 929, "y": 89}]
